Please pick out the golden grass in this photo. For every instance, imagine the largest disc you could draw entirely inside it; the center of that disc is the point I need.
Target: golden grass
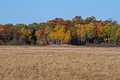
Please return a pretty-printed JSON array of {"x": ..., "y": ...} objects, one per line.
[{"x": 59, "y": 63}]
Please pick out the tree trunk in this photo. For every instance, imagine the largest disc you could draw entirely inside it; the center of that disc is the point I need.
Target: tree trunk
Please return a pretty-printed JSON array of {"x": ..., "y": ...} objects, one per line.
[{"x": 108, "y": 39}]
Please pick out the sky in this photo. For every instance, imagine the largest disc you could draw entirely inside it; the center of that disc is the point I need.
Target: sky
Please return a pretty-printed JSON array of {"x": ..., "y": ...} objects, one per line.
[{"x": 29, "y": 11}]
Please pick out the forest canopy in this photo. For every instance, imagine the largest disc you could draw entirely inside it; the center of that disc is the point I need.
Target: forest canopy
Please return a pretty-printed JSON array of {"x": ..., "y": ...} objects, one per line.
[{"x": 58, "y": 31}]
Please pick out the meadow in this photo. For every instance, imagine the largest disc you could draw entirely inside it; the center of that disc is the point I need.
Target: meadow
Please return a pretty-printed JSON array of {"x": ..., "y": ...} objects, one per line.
[{"x": 59, "y": 63}]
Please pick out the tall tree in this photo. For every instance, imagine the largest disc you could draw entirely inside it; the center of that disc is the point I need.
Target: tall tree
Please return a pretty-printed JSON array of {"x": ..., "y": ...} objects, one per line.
[{"x": 107, "y": 29}]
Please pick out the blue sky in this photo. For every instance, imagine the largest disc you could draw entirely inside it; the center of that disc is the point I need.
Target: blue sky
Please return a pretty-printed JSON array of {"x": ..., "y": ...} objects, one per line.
[{"x": 29, "y": 11}]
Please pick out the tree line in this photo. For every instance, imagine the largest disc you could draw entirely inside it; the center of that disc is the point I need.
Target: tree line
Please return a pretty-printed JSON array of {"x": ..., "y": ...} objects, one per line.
[{"x": 77, "y": 31}]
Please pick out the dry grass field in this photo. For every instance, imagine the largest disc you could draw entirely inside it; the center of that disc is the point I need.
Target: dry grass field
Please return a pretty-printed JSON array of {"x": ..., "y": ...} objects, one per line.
[{"x": 59, "y": 63}]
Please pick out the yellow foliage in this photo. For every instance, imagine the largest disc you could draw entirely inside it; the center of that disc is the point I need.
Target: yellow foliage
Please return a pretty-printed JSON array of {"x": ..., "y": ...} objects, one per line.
[
  {"x": 25, "y": 33},
  {"x": 117, "y": 34},
  {"x": 60, "y": 34},
  {"x": 1, "y": 28},
  {"x": 81, "y": 31},
  {"x": 67, "y": 36},
  {"x": 37, "y": 34},
  {"x": 101, "y": 32}
]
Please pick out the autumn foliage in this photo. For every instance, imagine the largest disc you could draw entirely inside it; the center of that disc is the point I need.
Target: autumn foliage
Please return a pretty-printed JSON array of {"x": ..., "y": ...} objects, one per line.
[{"x": 58, "y": 31}]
